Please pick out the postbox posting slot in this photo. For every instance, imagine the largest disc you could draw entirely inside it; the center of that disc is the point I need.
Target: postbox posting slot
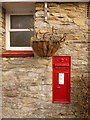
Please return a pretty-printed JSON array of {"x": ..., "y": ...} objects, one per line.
[{"x": 59, "y": 66}]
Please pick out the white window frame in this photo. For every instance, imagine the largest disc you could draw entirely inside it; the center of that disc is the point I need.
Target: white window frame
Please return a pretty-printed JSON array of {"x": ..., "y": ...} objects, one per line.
[{"x": 8, "y": 30}]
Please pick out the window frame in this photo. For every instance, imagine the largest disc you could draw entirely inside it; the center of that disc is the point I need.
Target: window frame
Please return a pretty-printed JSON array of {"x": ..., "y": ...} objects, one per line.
[{"x": 8, "y": 30}]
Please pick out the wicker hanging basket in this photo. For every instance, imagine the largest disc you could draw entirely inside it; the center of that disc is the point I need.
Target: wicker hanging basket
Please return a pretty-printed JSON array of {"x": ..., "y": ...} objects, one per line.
[{"x": 45, "y": 48}]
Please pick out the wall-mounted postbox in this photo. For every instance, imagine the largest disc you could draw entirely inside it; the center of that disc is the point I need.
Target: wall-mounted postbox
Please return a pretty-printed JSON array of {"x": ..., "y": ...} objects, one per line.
[{"x": 61, "y": 79}]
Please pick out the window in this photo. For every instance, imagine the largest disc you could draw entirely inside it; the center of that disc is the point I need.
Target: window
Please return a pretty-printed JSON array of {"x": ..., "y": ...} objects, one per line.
[{"x": 19, "y": 30}]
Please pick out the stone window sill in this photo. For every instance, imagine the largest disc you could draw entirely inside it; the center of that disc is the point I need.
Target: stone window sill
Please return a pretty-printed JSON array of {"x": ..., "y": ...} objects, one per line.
[{"x": 17, "y": 54}]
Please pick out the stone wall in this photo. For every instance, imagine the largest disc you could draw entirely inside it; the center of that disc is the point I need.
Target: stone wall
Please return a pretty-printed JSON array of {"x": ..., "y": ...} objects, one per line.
[
  {"x": 27, "y": 82},
  {"x": 2, "y": 45},
  {"x": 89, "y": 56},
  {"x": 2, "y": 29}
]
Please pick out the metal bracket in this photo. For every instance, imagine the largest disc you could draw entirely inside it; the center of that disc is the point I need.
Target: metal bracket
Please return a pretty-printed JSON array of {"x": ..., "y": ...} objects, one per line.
[{"x": 45, "y": 11}]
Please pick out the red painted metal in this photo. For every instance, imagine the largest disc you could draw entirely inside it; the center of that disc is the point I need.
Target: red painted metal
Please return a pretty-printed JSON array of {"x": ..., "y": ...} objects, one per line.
[
  {"x": 61, "y": 92},
  {"x": 17, "y": 54}
]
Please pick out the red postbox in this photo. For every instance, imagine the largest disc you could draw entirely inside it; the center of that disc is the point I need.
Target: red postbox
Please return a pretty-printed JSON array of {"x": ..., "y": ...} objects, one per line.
[{"x": 61, "y": 79}]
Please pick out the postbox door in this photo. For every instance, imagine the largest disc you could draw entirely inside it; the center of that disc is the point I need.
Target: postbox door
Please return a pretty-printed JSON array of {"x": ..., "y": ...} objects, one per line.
[{"x": 61, "y": 85}]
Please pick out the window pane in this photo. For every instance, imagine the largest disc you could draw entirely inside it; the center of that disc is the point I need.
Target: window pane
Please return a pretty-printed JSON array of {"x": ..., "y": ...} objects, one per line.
[
  {"x": 20, "y": 39},
  {"x": 21, "y": 21}
]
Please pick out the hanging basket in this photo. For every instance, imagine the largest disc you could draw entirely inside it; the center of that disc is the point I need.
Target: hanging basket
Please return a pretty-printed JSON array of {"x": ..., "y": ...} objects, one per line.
[{"x": 45, "y": 48}]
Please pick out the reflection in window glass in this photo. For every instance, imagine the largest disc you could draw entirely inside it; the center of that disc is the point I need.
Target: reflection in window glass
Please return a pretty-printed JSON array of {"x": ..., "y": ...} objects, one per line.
[
  {"x": 20, "y": 39},
  {"x": 21, "y": 21}
]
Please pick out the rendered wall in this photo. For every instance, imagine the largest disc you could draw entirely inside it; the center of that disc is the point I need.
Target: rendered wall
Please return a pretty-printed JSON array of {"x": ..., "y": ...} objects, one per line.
[{"x": 27, "y": 82}]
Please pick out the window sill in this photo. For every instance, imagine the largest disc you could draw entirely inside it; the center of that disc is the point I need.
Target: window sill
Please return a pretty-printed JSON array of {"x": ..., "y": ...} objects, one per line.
[{"x": 17, "y": 54}]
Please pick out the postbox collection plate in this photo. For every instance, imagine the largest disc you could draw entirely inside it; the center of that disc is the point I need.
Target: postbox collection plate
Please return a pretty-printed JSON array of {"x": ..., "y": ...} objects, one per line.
[{"x": 61, "y": 79}]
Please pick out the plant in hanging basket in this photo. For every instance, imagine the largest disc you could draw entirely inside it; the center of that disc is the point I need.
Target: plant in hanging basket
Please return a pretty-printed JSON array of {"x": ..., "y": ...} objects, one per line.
[{"x": 47, "y": 47}]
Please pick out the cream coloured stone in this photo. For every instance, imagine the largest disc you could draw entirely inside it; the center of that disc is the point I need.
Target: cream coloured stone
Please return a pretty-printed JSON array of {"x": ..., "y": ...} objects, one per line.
[
  {"x": 44, "y": 30},
  {"x": 85, "y": 28},
  {"x": 73, "y": 37},
  {"x": 39, "y": 5},
  {"x": 66, "y": 19},
  {"x": 74, "y": 14},
  {"x": 53, "y": 5},
  {"x": 39, "y": 8},
  {"x": 59, "y": 14},
  {"x": 40, "y": 24},
  {"x": 5, "y": 59},
  {"x": 58, "y": 10},
  {"x": 12, "y": 58},
  {"x": 82, "y": 5},
  {"x": 8, "y": 76},
  {"x": 12, "y": 93},
  {"x": 55, "y": 22},
  {"x": 79, "y": 21},
  {"x": 39, "y": 14}
]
